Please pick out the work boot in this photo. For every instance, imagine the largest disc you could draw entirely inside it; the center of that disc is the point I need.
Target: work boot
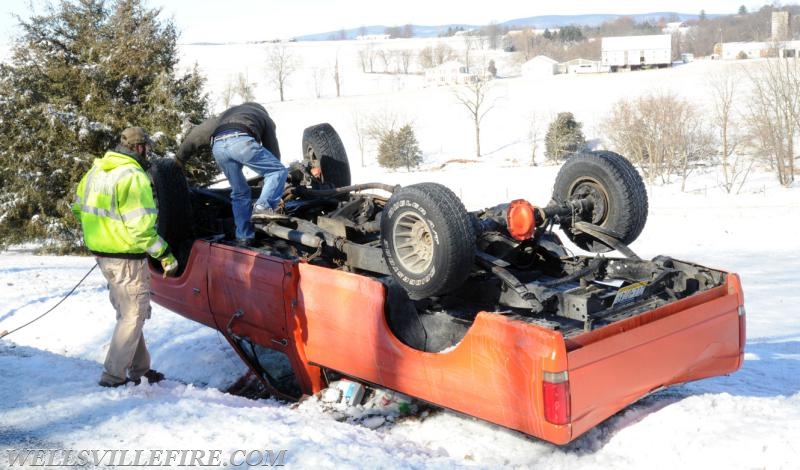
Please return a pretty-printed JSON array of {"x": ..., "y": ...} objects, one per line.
[{"x": 152, "y": 376}]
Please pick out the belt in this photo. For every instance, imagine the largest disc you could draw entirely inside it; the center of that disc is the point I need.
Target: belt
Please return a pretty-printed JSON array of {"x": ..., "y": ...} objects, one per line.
[{"x": 227, "y": 135}]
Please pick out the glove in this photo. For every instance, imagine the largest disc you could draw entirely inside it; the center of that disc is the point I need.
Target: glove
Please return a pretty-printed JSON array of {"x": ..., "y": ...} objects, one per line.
[{"x": 170, "y": 265}]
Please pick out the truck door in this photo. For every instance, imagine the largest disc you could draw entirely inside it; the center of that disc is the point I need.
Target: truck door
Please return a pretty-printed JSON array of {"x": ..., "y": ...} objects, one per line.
[
  {"x": 250, "y": 294},
  {"x": 246, "y": 294}
]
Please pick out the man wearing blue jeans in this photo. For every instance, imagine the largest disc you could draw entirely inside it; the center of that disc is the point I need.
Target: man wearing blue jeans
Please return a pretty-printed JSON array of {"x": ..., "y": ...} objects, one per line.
[{"x": 242, "y": 136}]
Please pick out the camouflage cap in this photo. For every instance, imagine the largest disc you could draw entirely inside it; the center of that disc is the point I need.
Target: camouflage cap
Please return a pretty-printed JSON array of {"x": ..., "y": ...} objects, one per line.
[{"x": 133, "y": 136}]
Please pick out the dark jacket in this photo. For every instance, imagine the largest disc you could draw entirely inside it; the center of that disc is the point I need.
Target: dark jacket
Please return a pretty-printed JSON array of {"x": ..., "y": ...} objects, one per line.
[{"x": 249, "y": 117}]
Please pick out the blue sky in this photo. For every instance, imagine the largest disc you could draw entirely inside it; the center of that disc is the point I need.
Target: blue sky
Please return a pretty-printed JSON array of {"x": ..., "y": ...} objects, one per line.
[{"x": 241, "y": 20}]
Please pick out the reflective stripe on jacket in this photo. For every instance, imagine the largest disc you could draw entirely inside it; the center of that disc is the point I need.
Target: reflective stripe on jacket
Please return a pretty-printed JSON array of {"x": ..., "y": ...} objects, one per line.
[{"x": 114, "y": 202}]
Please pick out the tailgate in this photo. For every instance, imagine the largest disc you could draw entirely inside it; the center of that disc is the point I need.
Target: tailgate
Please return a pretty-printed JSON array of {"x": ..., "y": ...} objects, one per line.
[{"x": 696, "y": 337}]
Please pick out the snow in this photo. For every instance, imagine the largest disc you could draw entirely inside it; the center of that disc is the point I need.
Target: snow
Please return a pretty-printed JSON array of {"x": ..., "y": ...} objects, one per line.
[{"x": 750, "y": 419}]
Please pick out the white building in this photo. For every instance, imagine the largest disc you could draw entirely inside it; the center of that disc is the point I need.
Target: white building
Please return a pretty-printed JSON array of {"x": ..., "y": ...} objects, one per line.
[
  {"x": 636, "y": 52},
  {"x": 452, "y": 72},
  {"x": 675, "y": 27},
  {"x": 755, "y": 50},
  {"x": 539, "y": 66},
  {"x": 581, "y": 66}
]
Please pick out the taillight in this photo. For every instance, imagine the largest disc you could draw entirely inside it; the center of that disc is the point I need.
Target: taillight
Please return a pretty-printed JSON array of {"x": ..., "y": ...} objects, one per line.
[
  {"x": 521, "y": 219},
  {"x": 555, "y": 392}
]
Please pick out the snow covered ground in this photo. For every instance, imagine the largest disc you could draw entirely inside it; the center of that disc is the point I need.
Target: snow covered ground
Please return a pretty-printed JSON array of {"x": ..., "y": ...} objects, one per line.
[{"x": 48, "y": 371}]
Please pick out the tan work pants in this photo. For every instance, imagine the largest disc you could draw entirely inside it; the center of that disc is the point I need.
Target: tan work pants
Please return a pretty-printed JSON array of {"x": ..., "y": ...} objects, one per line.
[{"x": 129, "y": 291}]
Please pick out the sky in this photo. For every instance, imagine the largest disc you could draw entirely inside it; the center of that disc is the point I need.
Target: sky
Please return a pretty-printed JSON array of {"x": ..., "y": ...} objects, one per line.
[{"x": 243, "y": 20}]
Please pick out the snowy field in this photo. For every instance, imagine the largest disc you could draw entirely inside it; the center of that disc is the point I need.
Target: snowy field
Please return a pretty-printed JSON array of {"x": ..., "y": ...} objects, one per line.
[{"x": 48, "y": 371}]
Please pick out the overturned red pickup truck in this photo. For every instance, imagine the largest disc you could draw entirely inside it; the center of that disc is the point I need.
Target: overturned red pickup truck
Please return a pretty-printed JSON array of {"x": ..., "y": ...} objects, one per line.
[{"x": 485, "y": 312}]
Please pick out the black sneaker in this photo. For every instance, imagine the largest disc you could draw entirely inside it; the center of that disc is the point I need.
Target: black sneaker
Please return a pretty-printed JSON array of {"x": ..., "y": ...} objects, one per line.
[
  {"x": 104, "y": 383},
  {"x": 152, "y": 376},
  {"x": 246, "y": 242},
  {"x": 266, "y": 213}
]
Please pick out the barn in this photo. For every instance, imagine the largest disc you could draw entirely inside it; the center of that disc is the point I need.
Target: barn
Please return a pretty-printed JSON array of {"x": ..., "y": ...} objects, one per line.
[{"x": 636, "y": 52}]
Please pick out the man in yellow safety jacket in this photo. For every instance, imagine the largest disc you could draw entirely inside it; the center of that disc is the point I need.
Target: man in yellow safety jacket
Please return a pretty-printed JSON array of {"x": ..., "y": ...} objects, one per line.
[{"x": 114, "y": 202}]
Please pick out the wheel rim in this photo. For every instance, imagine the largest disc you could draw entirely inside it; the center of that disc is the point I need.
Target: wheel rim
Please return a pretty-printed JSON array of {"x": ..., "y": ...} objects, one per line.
[
  {"x": 413, "y": 243},
  {"x": 595, "y": 192}
]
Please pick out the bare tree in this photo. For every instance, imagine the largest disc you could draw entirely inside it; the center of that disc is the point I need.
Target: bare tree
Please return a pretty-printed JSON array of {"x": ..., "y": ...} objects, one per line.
[
  {"x": 317, "y": 77},
  {"x": 474, "y": 97},
  {"x": 469, "y": 45},
  {"x": 337, "y": 79},
  {"x": 383, "y": 122},
  {"x": 227, "y": 95},
  {"x": 359, "y": 125},
  {"x": 373, "y": 128},
  {"x": 724, "y": 91},
  {"x": 523, "y": 43},
  {"x": 245, "y": 88},
  {"x": 493, "y": 34},
  {"x": 662, "y": 133},
  {"x": 384, "y": 57},
  {"x": 774, "y": 111},
  {"x": 534, "y": 134},
  {"x": 433, "y": 56},
  {"x": 404, "y": 59},
  {"x": 367, "y": 56},
  {"x": 239, "y": 86},
  {"x": 281, "y": 63}
]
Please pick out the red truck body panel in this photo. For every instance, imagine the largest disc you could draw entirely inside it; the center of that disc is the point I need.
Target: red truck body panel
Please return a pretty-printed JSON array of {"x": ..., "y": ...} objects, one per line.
[{"x": 325, "y": 318}]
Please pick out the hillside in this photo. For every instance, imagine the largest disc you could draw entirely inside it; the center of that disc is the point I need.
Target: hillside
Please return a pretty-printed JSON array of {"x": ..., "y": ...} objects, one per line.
[{"x": 536, "y": 22}]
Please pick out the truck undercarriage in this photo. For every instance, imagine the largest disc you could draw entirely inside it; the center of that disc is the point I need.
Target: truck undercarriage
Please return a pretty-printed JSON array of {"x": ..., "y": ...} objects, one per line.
[{"x": 370, "y": 280}]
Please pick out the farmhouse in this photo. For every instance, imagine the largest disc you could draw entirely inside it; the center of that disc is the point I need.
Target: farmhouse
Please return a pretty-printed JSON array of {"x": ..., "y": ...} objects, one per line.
[{"x": 451, "y": 72}]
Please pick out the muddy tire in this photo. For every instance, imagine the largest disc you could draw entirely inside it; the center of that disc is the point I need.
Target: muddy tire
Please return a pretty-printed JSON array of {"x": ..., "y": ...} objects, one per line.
[
  {"x": 427, "y": 239},
  {"x": 322, "y": 147},
  {"x": 617, "y": 193},
  {"x": 171, "y": 191}
]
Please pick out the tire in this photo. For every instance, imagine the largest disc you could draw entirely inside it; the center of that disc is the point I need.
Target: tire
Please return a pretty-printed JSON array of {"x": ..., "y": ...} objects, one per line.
[
  {"x": 427, "y": 239},
  {"x": 171, "y": 191},
  {"x": 616, "y": 190},
  {"x": 322, "y": 147}
]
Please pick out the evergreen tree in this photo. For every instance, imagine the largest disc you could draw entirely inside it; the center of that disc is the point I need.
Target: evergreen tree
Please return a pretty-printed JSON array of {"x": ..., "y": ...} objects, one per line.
[
  {"x": 564, "y": 136},
  {"x": 399, "y": 148},
  {"x": 492, "y": 68},
  {"x": 570, "y": 33},
  {"x": 79, "y": 74}
]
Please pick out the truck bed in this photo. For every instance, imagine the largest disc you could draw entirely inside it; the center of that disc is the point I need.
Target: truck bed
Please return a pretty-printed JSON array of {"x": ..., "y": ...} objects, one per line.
[{"x": 502, "y": 369}]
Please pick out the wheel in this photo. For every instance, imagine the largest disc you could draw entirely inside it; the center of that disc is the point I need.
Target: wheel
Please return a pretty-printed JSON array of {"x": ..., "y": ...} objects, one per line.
[
  {"x": 323, "y": 149},
  {"x": 616, "y": 191},
  {"x": 427, "y": 239},
  {"x": 171, "y": 191}
]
